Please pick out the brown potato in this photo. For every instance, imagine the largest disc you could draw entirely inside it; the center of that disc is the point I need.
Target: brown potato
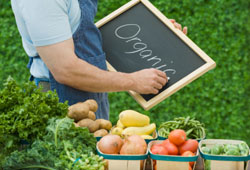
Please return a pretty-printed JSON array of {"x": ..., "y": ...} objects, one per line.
[
  {"x": 91, "y": 115},
  {"x": 94, "y": 126},
  {"x": 93, "y": 106},
  {"x": 104, "y": 124},
  {"x": 78, "y": 111},
  {"x": 84, "y": 122},
  {"x": 100, "y": 132}
]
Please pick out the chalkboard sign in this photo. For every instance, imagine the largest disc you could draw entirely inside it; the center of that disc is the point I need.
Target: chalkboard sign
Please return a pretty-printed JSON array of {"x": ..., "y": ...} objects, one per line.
[{"x": 139, "y": 36}]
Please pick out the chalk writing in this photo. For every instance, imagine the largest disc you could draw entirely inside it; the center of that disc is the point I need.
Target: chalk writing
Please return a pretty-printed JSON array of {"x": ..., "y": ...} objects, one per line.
[{"x": 140, "y": 47}]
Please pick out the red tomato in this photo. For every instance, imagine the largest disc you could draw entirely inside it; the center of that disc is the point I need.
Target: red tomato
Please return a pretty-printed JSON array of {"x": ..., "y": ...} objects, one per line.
[
  {"x": 171, "y": 148},
  {"x": 165, "y": 141},
  {"x": 189, "y": 153},
  {"x": 189, "y": 145},
  {"x": 177, "y": 137},
  {"x": 159, "y": 149},
  {"x": 155, "y": 145}
]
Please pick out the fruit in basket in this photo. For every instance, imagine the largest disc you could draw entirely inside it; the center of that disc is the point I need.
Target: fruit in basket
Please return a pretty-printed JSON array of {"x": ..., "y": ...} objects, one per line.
[
  {"x": 159, "y": 150},
  {"x": 132, "y": 118},
  {"x": 146, "y": 130},
  {"x": 110, "y": 144},
  {"x": 189, "y": 145},
  {"x": 188, "y": 153},
  {"x": 171, "y": 148},
  {"x": 177, "y": 137},
  {"x": 134, "y": 145}
]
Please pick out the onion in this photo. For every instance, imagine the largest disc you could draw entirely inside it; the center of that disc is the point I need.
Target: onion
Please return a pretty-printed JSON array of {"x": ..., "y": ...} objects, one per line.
[
  {"x": 110, "y": 144},
  {"x": 134, "y": 145}
]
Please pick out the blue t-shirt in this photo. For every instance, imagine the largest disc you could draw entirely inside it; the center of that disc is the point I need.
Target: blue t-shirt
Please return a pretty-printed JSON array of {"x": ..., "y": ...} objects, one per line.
[{"x": 45, "y": 22}]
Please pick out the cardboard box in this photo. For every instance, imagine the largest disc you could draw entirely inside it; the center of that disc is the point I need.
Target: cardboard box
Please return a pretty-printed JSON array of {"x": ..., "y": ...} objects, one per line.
[
  {"x": 124, "y": 162},
  {"x": 171, "y": 162},
  {"x": 222, "y": 162}
]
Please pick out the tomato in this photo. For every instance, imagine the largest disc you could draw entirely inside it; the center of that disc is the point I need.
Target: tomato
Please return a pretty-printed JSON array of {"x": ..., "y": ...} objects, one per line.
[
  {"x": 189, "y": 145},
  {"x": 155, "y": 145},
  {"x": 159, "y": 149},
  {"x": 177, "y": 137},
  {"x": 189, "y": 153},
  {"x": 171, "y": 148}
]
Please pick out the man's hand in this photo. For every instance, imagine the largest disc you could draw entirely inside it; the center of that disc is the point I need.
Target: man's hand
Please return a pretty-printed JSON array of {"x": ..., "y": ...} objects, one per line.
[
  {"x": 178, "y": 26},
  {"x": 148, "y": 81}
]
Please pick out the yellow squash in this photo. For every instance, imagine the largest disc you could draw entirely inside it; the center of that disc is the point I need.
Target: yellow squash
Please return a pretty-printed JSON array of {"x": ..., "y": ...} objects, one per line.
[
  {"x": 146, "y": 130},
  {"x": 119, "y": 124},
  {"x": 131, "y": 118},
  {"x": 147, "y": 137}
]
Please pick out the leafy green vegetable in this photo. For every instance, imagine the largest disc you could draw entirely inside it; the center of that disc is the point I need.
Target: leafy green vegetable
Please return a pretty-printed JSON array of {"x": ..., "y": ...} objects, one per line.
[
  {"x": 24, "y": 112},
  {"x": 193, "y": 128},
  {"x": 63, "y": 147}
]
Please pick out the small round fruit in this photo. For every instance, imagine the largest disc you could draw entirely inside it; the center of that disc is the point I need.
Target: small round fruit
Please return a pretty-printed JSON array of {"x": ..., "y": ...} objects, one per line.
[
  {"x": 177, "y": 137},
  {"x": 159, "y": 149},
  {"x": 171, "y": 148},
  {"x": 189, "y": 145},
  {"x": 187, "y": 154}
]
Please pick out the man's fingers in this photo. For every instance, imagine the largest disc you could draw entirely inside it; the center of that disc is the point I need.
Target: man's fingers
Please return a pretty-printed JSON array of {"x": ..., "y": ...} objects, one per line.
[
  {"x": 162, "y": 74},
  {"x": 172, "y": 20},
  {"x": 162, "y": 81},
  {"x": 185, "y": 30},
  {"x": 155, "y": 91}
]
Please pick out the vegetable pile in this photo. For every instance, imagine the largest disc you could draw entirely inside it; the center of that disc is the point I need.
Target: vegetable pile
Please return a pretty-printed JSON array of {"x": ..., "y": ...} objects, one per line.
[
  {"x": 24, "y": 112},
  {"x": 176, "y": 144},
  {"x": 113, "y": 144},
  {"x": 84, "y": 115},
  {"x": 133, "y": 123},
  {"x": 227, "y": 149},
  {"x": 63, "y": 147},
  {"x": 193, "y": 128}
]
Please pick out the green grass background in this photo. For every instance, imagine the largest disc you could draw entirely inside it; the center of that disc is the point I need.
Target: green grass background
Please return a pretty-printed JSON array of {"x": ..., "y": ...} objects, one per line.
[{"x": 219, "y": 98}]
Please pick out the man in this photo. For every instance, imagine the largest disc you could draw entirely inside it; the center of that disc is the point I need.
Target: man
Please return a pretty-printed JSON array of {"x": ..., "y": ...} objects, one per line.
[{"x": 66, "y": 50}]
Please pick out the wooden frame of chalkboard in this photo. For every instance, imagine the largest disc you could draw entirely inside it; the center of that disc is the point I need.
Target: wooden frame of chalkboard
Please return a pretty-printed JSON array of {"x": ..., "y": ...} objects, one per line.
[{"x": 147, "y": 102}]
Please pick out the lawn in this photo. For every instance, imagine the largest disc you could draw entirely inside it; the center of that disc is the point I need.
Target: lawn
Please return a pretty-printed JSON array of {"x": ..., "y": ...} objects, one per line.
[{"x": 219, "y": 98}]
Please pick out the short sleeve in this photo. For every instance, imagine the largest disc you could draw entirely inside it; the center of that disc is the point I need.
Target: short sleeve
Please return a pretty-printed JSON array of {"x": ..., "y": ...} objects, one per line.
[{"x": 47, "y": 21}]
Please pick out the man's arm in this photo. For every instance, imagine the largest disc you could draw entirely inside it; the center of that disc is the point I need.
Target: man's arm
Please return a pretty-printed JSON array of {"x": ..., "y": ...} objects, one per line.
[{"x": 68, "y": 69}]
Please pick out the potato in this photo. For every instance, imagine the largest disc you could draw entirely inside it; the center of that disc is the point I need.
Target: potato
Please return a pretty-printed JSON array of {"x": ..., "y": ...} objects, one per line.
[
  {"x": 94, "y": 126},
  {"x": 104, "y": 124},
  {"x": 93, "y": 106},
  {"x": 84, "y": 122},
  {"x": 100, "y": 132},
  {"x": 78, "y": 111},
  {"x": 91, "y": 115}
]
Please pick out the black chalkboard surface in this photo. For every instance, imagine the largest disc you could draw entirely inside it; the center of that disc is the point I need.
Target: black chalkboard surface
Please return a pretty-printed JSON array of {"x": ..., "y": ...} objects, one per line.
[{"x": 136, "y": 38}]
